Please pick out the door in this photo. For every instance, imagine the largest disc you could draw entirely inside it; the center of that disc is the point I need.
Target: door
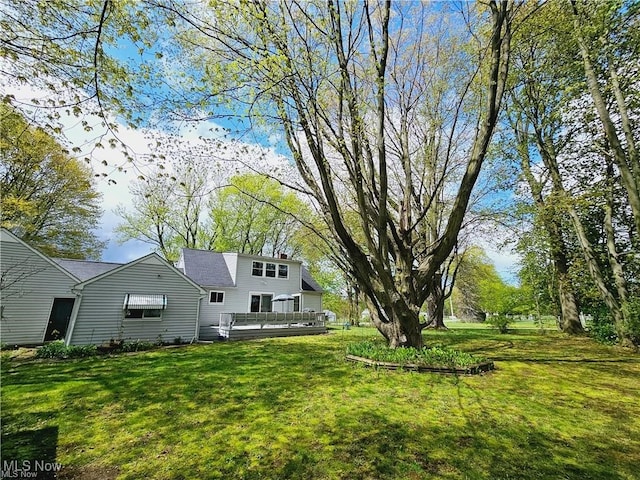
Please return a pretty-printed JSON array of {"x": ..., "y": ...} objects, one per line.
[{"x": 59, "y": 318}]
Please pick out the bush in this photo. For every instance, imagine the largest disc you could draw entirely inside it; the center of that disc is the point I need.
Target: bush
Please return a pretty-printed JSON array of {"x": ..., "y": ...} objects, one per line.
[
  {"x": 499, "y": 322},
  {"x": 58, "y": 349},
  {"x": 602, "y": 329},
  {"x": 55, "y": 349},
  {"x": 137, "y": 346},
  {"x": 632, "y": 327},
  {"x": 378, "y": 351}
]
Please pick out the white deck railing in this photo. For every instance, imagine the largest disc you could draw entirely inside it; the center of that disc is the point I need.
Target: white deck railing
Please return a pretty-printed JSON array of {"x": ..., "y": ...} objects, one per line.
[{"x": 262, "y": 320}]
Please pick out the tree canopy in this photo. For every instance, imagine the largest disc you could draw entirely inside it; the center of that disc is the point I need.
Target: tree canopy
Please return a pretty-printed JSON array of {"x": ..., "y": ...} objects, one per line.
[{"x": 48, "y": 197}]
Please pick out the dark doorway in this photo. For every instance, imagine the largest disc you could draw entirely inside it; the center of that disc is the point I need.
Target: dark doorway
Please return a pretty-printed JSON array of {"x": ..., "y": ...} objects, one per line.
[{"x": 59, "y": 318}]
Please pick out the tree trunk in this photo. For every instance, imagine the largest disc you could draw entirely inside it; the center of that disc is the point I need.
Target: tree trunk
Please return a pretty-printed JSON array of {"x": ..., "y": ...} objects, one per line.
[
  {"x": 570, "y": 317},
  {"x": 569, "y": 312},
  {"x": 625, "y": 159},
  {"x": 435, "y": 305},
  {"x": 399, "y": 326}
]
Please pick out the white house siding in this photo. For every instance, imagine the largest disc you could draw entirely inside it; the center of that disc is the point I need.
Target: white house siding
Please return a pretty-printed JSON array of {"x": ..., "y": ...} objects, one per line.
[
  {"x": 210, "y": 312},
  {"x": 237, "y": 299},
  {"x": 312, "y": 301},
  {"x": 247, "y": 284},
  {"x": 26, "y": 305},
  {"x": 101, "y": 316},
  {"x": 231, "y": 259}
]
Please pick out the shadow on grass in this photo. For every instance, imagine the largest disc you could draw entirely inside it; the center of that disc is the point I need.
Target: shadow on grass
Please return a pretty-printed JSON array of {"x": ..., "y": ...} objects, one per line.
[
  {"x": 294, "y": 408},
  {"x": 30, "y": 454}
]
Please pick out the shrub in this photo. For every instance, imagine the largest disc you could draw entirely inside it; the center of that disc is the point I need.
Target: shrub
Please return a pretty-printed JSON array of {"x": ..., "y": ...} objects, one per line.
[
  {"x": 603, "y": 330},
  {"x": 58, "y": 349},
  {"x": 499, "y": 322},
  {"x": 137, "y": 346},
  {"x": 77, "y": 351},
  {"x": 434, "y": 356},
  {"x": 55, "y": 349}
]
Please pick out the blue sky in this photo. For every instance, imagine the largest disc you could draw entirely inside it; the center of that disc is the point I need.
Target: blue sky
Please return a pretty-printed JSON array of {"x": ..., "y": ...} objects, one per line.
[{"x": 117, "y": 193}]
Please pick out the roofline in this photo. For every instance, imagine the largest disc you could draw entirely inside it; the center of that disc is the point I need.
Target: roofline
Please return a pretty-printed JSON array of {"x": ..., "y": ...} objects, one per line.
[
  {"x": 81, "y": 285},
  {"x": 41, "y": 255},
  {"x": 85, "y": 261},
  {"x": 246, "y": 255}
]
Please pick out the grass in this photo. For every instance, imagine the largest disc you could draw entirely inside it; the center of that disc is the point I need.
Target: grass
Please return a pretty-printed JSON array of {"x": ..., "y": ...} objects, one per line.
[{"x": 555, "y": 407}]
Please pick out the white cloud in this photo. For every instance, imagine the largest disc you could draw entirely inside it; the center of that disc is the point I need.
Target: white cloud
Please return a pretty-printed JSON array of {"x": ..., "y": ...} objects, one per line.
[{"x": 115, "y": 171}]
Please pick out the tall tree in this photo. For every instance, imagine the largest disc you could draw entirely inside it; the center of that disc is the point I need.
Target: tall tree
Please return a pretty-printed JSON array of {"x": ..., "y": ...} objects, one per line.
[
  {"x": 48, "y": 197},
  {"x": 322, "y": 70},
  {"x": 254, "y": 214},
  {"x": 608, "y": 39},
  {"x": 552, "y": 119},
  {"x": 319, "y": 70},
  {"x": 168, "y": 209}
]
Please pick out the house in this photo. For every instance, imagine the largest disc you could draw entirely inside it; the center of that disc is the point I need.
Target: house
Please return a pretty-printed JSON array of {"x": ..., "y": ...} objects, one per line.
[
  {"x": 35, "y": 292},
  {"x": 92, "y": 302},
  {"x": 243, "y": 283}
]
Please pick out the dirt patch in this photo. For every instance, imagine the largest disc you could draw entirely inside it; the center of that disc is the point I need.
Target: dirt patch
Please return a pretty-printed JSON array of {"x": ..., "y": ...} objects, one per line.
[{"x": 88, "y": 472}]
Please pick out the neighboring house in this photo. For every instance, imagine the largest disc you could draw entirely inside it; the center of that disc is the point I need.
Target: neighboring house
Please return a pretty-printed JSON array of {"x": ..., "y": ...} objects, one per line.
[
  {"x": 247, "y": 283},
  {"x": 86, "y": 302}
]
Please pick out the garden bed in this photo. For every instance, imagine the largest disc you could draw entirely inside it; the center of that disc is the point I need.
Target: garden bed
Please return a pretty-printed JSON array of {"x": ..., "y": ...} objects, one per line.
[{"x": 466, "y": 370}]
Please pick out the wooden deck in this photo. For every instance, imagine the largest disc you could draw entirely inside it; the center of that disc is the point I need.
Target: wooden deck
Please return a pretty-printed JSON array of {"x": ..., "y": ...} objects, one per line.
[{"x": 241, "y": 326}]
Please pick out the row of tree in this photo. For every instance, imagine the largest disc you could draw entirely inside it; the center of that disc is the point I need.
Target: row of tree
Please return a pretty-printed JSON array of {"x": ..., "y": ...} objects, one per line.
[
  {"x": 389, "y": 112},
  {"x": 572, "y": 113}
]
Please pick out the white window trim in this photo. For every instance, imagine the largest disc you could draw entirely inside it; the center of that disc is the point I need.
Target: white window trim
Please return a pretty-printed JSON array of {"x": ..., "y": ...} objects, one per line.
[
  {"x": 278, "y": 274},
  {"x": 251, "y": 294},
  {"x": 264, "y": 270},
  {"x": 299, "y": 297},
  {"x": 224, "y": 296}
]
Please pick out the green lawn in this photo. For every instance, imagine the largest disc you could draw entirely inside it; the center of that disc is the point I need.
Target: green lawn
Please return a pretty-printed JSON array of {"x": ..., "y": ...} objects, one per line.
[{"x": 555, "y": 407}]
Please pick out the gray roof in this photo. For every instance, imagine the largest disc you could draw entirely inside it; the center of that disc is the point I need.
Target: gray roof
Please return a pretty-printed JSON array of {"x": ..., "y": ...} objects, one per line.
[
  {"x": 206, "y": 268},
  {"x": 83, "y": 269},
  {"x": 308, "y": 283}
]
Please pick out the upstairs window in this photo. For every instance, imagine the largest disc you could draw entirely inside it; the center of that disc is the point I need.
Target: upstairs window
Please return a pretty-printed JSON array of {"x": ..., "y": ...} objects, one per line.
[
  {"x": 271, "y": 270},
  {"x": 257, "y": 269},
  {"x": 283, "y": 271}
]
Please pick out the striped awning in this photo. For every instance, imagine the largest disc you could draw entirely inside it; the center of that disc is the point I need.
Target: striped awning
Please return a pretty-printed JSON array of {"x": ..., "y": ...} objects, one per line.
[{"x": 134, "y": 301}]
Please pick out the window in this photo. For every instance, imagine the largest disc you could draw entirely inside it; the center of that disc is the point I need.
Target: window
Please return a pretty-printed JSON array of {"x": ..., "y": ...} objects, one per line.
[
  {"x": 144, "y": 306},
  {"x": 283, "y": 271},
  {"x": 257, "y": 269},
  {"x": 261, "y": 303},
  {"x": 216, "y": 297},
  {"x": 271, "y": 270},
  {"x": 296, "y": 303},
  {"x": 143, "y": 314}
]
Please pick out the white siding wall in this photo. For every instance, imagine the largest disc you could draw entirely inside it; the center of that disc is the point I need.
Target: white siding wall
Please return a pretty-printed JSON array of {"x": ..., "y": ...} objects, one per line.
[
  {"x": 210, "y": 313},
  {"x": 237, "y": 298},
  {"x": 248, "y": 284},
  {"x": 312, "y": 301},
  {"x": 26, "y": 305},
  {"x": 101, "y": 316}
]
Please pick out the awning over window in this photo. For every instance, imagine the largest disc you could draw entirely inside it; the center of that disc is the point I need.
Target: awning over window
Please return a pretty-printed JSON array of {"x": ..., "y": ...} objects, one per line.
[{"x": 133, "y": 301}]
